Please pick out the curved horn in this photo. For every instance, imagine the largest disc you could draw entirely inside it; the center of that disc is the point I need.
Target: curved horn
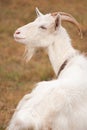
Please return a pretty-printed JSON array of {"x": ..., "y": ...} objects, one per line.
[
  {"x": 69, "y": 18},
  {"x": 38, "y": 12}
]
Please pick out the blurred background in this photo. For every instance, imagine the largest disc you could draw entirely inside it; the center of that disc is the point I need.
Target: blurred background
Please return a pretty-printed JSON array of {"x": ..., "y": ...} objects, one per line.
[{"x": 17, "y": 77}]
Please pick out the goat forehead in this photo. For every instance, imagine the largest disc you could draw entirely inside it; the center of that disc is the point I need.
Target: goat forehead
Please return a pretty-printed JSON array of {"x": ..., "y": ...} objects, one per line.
[{"x": 45, "y": 19}]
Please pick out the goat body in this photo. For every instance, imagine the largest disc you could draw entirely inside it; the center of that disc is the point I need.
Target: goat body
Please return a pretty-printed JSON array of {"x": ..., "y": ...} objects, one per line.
[{"x": 59, "y": 104}]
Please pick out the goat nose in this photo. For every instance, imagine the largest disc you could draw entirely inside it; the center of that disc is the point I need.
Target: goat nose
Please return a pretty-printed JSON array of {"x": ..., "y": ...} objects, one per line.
[{"x": 18, "y": 32}]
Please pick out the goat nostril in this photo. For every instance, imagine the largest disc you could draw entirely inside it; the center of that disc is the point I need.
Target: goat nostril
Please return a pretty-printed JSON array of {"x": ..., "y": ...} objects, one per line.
[{"x": 17, "y": 32}]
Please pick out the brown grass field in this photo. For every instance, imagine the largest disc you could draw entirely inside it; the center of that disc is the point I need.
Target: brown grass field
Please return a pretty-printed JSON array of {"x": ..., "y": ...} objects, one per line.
[{"x": 17, "y": 77}]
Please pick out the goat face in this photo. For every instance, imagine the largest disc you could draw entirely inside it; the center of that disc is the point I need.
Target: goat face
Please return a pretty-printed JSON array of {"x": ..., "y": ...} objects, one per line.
[
  {"x": 44, "y": 31},
  {"x": 38, "y": 33}
]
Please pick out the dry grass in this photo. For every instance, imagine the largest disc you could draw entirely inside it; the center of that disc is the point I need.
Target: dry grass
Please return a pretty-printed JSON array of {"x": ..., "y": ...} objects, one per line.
[{"x": 16, "y": 77}]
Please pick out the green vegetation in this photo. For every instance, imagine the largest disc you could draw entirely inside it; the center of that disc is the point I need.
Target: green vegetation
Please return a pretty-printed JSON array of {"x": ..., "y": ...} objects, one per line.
[{"x": 17, "y": 77}]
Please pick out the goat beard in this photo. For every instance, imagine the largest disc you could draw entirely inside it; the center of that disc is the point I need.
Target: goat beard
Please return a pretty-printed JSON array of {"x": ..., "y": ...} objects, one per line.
[{"x": 29, "y": 52}]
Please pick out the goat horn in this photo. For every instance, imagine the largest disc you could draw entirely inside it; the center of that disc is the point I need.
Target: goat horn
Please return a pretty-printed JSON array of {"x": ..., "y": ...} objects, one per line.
[{"x": 69, "y": 18}]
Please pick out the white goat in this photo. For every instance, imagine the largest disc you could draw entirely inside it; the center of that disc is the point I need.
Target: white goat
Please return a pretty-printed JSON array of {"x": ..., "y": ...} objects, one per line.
[{"x": 59, "y": 104}]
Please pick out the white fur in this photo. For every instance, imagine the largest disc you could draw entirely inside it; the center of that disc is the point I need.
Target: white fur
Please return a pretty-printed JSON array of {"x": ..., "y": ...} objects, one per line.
[{"x": 59, "y": 104}]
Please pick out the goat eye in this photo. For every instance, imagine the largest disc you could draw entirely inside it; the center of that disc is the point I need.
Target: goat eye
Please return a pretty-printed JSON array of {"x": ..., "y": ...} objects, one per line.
[{"x": 43, "y": 27}]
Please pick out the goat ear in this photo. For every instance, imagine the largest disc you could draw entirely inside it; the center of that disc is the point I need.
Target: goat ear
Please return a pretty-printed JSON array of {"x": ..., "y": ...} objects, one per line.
[
  {"x": 38, "y": 12},
  {"x": 57, "y": 21}
]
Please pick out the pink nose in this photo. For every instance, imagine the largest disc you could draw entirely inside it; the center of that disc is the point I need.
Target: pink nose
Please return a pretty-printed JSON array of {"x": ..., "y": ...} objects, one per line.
[{"x": 18, "y": 32}]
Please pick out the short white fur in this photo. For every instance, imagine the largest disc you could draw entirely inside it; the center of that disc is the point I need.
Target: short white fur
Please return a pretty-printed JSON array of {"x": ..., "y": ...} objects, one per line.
[{"x": 59, "y": 104}]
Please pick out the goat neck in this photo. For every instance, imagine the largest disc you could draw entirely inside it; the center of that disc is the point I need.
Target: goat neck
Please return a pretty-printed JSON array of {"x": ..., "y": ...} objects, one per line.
[{"x": 61, "y": 50}]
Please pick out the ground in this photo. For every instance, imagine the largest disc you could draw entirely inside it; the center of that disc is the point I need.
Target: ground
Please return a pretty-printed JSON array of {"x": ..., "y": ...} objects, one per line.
[{"x": 17, "y": 77}]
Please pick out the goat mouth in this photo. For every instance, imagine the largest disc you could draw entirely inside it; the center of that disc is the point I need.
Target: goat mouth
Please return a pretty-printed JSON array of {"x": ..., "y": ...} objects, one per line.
[{"x": 18, "y": 38}]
